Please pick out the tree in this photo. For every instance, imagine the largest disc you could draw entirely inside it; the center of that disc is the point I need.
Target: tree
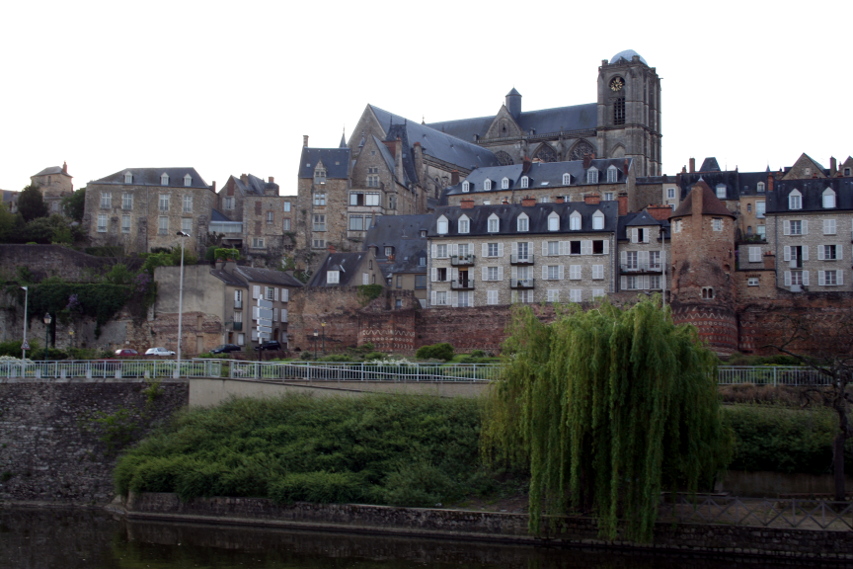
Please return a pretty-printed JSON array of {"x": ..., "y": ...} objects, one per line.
[
  {"x": 606, "y": 407},
  {"x": 74, "y": 205},
  {"x": 822, "y": 339},
  {"x": 9, "y": 222},
  {"x": 31, "y": 203}
]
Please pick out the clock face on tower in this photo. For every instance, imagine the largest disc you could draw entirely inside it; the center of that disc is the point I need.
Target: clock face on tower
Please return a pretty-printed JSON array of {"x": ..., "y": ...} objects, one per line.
[{"x": 616, "y": 84}]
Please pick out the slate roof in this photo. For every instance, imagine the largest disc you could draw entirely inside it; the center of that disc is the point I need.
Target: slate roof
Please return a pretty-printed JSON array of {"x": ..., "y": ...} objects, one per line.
[
  {"x": 542, "y": 122},
  {"x": 540, "y": 175},
  {"x": 435, "y": 143},
  {"x": 812, "y": 195},
  {"x": 254, "y": 185},
  {"x": 640, "y": 219},
  {"x": 151, "y": 177},
  {"x": 216, "y": 215},
  {"x": 336, "y": 161},
  {"x": 711, "y": 205},
  {"x": 403, "y": 233},
  {"x": 710, "y": 165},
  {"x": 737, "y": 183},
  {"x": 346, "y": 263},
  {"x": 538, "y": 215},
  {"x": 229, "y": 279},
  {"x": 49, "y": 171},
  {"x": 267, "y": 276}
]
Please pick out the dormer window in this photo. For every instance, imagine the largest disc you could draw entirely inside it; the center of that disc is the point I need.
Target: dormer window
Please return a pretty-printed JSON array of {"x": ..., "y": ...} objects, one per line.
[
  {"x": 466, "y": 186},
  {"x": 598, "y": 220},
  {"x": 575, "y": 221},
  {"x": 487, "y": 185},
  {"x": 612, "y": 174},
  {"x": 760, "y": 187},
  {"x": 795, "y": 200},
  {"x": 523, "y": 222},
  {"x": 567, "y": 179},
  {"x": 721, "y": 191},
  {"x": 525, "y": 182},
  {"x": 128, "y": 178},
  {"x": 333, "y": 277},
  {"x": 164, "y": 179},
  {"x": 441, "y": 226},
  {"x": 828, "y": 198},
  {"x": 188, "y": 180},
  {"x": 847, "y": 172},
  {"x": 494, "y": 223},
  {"x": 505, "y": 184},
  {"x": 592, "y": 175},
  {"x": 464, "y": 224},
  {"x": 553, "y": 221},
  {"x": 319, "y": 175}
]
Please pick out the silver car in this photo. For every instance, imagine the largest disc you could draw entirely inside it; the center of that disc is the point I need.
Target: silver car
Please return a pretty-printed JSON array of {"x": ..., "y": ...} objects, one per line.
[{"x": 159, "y": 352}]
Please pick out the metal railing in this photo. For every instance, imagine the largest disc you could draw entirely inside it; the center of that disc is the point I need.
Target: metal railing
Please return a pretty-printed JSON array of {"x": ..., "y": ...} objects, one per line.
[{"x": 69, "y": 370}]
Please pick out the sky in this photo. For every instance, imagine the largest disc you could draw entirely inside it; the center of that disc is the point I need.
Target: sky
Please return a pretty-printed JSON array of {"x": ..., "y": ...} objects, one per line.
[{"x": 231, "y": 87}]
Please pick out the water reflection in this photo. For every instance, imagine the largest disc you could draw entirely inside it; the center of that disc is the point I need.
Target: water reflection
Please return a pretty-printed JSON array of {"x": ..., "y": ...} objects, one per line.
[{"x": 72, "y": 539}]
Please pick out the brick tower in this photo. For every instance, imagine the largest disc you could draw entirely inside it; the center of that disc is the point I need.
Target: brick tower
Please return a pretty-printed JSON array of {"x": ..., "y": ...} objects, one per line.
[{"x": 703, "y": 290}]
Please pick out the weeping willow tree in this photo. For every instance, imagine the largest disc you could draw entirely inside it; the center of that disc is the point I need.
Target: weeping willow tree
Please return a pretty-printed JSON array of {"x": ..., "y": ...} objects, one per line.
[{"x": 607, "y": 408}]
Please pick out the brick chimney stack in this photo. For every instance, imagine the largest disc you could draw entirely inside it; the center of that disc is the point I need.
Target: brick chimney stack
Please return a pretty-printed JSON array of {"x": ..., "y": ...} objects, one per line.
[
  {"x": 305, "y": 140},
  {"x": 587, "y": 160},
  {"x": 528, "y": 201},
  {"x": 622, "y": 201},
  {"x": 525, "y": 165},
  {"x": 560, "y": 199},
  {"x": 592, "y": 199},
  {"x": 467, "y": 203},
  {"x": 454, "y": 177},
  {"x": 692, "y": 165},
  {"x": 659, "y": 212},
  {"x": 770, "y": 180},
  {"x": 769, "y": 260},
  {"x": 272, "y": 180},
  {"x": 625, "y": 167},
  {"x": 833, "y": 167}
]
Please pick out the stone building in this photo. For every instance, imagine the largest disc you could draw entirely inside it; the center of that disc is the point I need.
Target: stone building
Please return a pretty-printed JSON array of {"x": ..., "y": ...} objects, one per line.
[
  {"x": 529, "y": 252},
  {"x": 643, "y": 242},
  {"x": 399, "y": 243},
  {"x": 141, "y": 209},
  {"x": 54, "y": 183}
]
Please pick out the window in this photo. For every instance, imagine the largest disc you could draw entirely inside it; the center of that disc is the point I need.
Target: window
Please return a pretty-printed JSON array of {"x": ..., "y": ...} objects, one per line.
[
  {"x": 721, "y": 191},
  {"x": 796, "y": 227},
  {"x": 466, "y": 186},
  {"x": 598, "y": 220},
  {"x": 128, "y": 178},
  {"x": 163, "y": 202},
  {"x": 574, "y": 247},
  {"x": 655, "y": 260},
  {"x": 717, "y": 223},
  {"x": 599, "y": 247},
  {"x": 612, "y": 174},
  {"x": 523, "y": 296},
  {"x": 333, "y": 277},
  {"x": 441, "y": 251},
  {"x": 487, "y": 185},
  {"x": 676, "y": 226},
  {"x": 319, "y": 175},
  {"x": 373, "y": 177},
  {"x": 670, "y": 193},
  {"x": 319, "y": 222},
  {"x": 523, "y": 222},
  {"x": 795, "y": 200},
  {"x": 505, "y": 184},
  {"x": 830, "y": 278},
  {"x": 320, "y": 198},
  {"x": 575, "y": 272},
  {"x": 597, "y": 292},
  {"x": 188, "y": 204},
  {"x": 828, "y": 198},
  {"x": 441, "y": 226},
  {"x": 392, "y": 201},
  {"x": 708, "y": 292},
  {"x": 439, "y": 297},
  {"x": 102, "y": 223},
  {"x": 829, "y": 226},
  {"x": 127, "y": 200},
  {"x": 654, "y": 282},
  {"x": 827, "y": 252},
  {"x": 553, "y": 295},
  {"x": 318, "y": 243},
  {"x": 631, "y": 283},
  {"x": 422, "y": 261},
  {"x": 464, "y": 224},
  {"x": 522, "y": 250},
  {"x": 639, "y": 235},
  {"x": 608, "y": 196},
  {"x": 187, "y": 225},
  {"x": 257, "y": 242},
  {"x": 759, "y": 209},
  {"x": 632, "y": 260},
  {"x": 619, "y": 111},
  {"x": 592, "y": 175},
  {"x": 357, "y": 223},
  {"x": 752, "y": 281},
  {"x": 163, "y": 225},
  {"x": 597, "y": 272},
  {"x": 525, "y": 182},
  {"x": 491, "y": 297},
  {"x": 492, "y": 273},
  {"x": 575, "y": 295},
  {"x": 847, "y": 171},
  {"x": 106, "y": 200},
  {"x": 269, "y": 293},
  {"x": 567, "y": 179},
  {"x": 388, "y": 251},
  {"x": 575, "y": 221},
  {"x": 552, "y": 272},
  {"x": 420, "y": 282},
  {"x": 553, "y": 222},
  {"x": 287, "y": 206},
  {"x": 552, "y": 248},
  {"x": 188, "y": 180},
  {"x": 749, "y": 208},
  {"x": 755, "y": 254},
  {"x": 760, "y": 188},
  {"x": 796, "y": 278},
  {"x": 229, "y": 202},
  {"x": 125, "y": 223},
  {"x": 164, "y": 179},
  {"x": 494, "y": 224},
  {"x": 285, "y": 224},
  {"x": 493, "y": 250}
]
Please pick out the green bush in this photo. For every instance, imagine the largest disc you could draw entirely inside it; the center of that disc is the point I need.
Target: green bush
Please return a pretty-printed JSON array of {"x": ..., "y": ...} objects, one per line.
[
  {"x": 442, "y": 351},
  {"x": 317, "y": 487},
  {"x": 374, "y": 356}
]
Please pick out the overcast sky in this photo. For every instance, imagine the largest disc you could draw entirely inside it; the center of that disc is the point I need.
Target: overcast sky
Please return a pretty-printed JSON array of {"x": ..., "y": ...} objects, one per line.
[{"x": 231, "y": 87}]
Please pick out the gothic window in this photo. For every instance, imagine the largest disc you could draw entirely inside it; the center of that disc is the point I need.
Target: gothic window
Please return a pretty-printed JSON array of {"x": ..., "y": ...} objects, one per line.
[
  {"x": 546, "y": 153},
  {"x": 581, "y": 148},
  {"x": 504, "y": 159},
  {"x": 619, "y": 111}
]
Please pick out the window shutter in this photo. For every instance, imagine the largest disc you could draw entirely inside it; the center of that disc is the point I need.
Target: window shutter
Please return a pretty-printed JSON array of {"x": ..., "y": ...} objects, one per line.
[
  {"x": 285, "y": 295},
  {"x": 544, "y": 272},
  {"x": 275, "y": 294},
  {"x": 544, "y": 248},
  {"x": 514, "y": 274},
  {"x": 283, "y": 315},
  {"x": 786, "y": 227},
  {"x": 454, "y": 299},
  {"x": 275, "y": 314},
  {"x": 500, "y": 249},
  {"x": 433, "y": 274},
  {"x": 454, "y": 274},
  {"x": 623, "y": 258},
  {"x": 646, "y": 235},
  {"x": 821, "y": 278},
  {"x": 454, "y": 250},
  {"x": 839, "y": 251},
  {"x": 432, "y": 298},
  {"x": 805, "y": 278},
  {"x": 485, "y": 250},
  {"x": 805, "y": 227},
  {"x": 586, "y": 247},
  {"x": 606, "y": 248},
  {"x": 787, "y": 253},
  {"x": 633, "y": 235},
  {"x": 254, "y": 313},
  {"x": 840, "y": 275},
  {"x": 500, "y": 273},
  {"x": 787, "y": 278},
  {"x": 485, "y": 273},
  {"x": 560, "y": 272},
  {"x": 515, "y": 249},
  {"x": 256, "y": 291},
  {"x": 644, "y": 258},
  {"x": 805, "y": 252},
  {"x": 434, "y": 251},
  {"x": 623, "y": 283},
  {"x": 820, "y": 249}
]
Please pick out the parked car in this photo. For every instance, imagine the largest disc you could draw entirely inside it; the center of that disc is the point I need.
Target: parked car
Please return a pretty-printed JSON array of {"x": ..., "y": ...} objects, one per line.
[
  {"x": 163, "y": 352},
  {"x": 127, "y": 353},
  {"x": 269, "y": 345},
  {"x": 225, "y": 349}
]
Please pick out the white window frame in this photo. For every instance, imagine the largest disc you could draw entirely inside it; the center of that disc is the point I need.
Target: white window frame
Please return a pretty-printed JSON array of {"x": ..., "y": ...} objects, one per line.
[
  {"x": 127, "y": 200},
  {"x": 575, "y": 221},
  {"x": 612, "y": 174},
  {"x": 720, "y": 191},
  {"x": 487, "y": 185},
  {"x": 128, "y": 178},
  {"x": 553, "y": 221},
  {"x": 125, "y": 223},
  {"x": 525, "y": 182},
  {"x": 795, "y": 200},
  {"x": 754, "y": 254},
  {"x": 592, "y": 175},
  {"x": 494, "y": 224},
  {"x": 164, "y": 202},
  {"x": 522, "y": 223},
  {"x": 466, "y": 186},
  {"x": 567, "y": 179},
  {"x": 106, "y": 200},
  {"x": 333, "y": 277},
  {"x": 164, "y": 179},
  {"x": 504, "y": 183},
  {"x": 188, "y": 180},
  {"x": 464, "y": 224},
  {"x": 102, "y": 223},
  {"x": 598, "y": 220},
  {"x": 187, "y": 203},
  {"x": 828, "y": 198},
  {"x": 441, "y": 225}
]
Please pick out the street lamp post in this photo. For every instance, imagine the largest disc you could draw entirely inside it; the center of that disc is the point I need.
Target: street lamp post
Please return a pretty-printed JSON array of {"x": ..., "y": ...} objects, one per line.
[
  {"x": 323, "y": 324},
  {"x": 180, "y": 303},
  {"x": 24, "y": 345},
  {"x": 315, "y": 343},
  {"x": 47, "y": 320}
]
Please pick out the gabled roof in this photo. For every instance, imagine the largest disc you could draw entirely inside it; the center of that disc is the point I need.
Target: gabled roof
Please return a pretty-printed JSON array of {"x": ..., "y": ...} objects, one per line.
[
  {"x": 266, "y": 276},
  {"x": 346, "y": 263},
  {"x": 537, "y": 215},
  {"x": 812, "y": 195},
  {"x": 253, "y": 185},
  {"x": 335, "y": 160},
  {"x": 51, "y": 170},
  {"x": 403, "y": 233},
  {"x": 151, "y": 177},
  {"x": 711, "y": 205},
  {"x": 640, "y": 219}
]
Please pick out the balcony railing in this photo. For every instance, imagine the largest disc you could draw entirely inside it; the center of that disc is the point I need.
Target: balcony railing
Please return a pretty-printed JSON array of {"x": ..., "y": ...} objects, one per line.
[
  {"x": 521, "y": 283},
  {"x": 237, "y": 327},
  {"x": 521, "y": 259},
  {"x": 461, "y": 260},
  {"x": 642, "y": 268},
  {"x": 467, "y": 284}
]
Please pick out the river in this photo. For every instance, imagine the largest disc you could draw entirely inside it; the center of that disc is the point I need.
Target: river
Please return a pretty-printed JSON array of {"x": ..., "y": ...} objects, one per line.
[{"x": 53, "y": 538}]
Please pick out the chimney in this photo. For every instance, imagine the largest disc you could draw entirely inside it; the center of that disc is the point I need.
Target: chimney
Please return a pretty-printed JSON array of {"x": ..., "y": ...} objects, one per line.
[
  {"x": 505, "y": 202},
  {"x": 331, "y": 248},
  {"x": 244, "y": 178},
  {"x": 622, "y": 201},
  {"x": 65, "y": 166},
  {"x": 832, "y": 166},
  {"x": 454, "y": 177},
  {"x": 525, "y": 165},
  {"x": 213, "y": 185},
  {"x": 305, "y": 140},
  {"x": 769, "y": 261},
  {"x": 692, "y": 165},
  {"x": 560, "y": 199},
  {"x": 770, "y": 179},
  {"x": 592, "y": 199},
  {"x": 528, "y": 201},
  {"x": 272, "y": 180},
  {"x": 467, "y": 203},
  {"x": 696, "y": 201},
  {"x": 659, "y": 212},
  {"x": 587, "y": 160},
  {"x": 625, "y": 167}
]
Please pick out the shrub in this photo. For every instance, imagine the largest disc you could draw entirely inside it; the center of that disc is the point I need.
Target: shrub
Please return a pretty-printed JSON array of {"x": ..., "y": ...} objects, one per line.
[
  {"x": 419, "y": 485},
  {"x": 317, "y": 487},
  {"x": 442, "y": 351}
]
